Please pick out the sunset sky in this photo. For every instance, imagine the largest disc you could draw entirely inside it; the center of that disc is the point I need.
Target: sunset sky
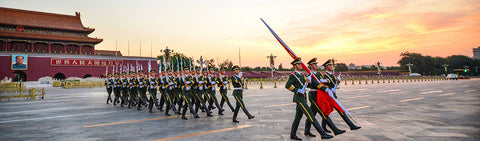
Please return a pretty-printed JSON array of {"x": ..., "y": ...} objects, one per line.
[{"x": 359, "y": 32}]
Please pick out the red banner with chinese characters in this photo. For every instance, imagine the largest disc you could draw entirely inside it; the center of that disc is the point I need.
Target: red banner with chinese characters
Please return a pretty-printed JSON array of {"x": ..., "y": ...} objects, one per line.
[{"x": 84, "y": 62}]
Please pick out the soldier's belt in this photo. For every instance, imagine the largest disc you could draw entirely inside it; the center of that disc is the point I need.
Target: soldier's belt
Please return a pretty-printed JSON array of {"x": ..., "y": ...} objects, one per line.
[
  {"x": 312, "y": 90},
  {"x": 237, "y": 88}
]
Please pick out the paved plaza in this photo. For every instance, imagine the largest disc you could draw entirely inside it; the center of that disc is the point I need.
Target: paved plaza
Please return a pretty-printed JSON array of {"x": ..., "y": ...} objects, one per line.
[{"x": 429, "y": 110}]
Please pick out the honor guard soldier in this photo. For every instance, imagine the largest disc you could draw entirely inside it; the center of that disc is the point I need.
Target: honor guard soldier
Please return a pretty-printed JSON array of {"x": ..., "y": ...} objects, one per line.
[
  {"x": 199, "y": 91},
  {"x": 314, "y": 87},
  {"x": 222, "y": 85},
  {"x": 332, "y": 83},
  {"x": 238, "y": 84},
  {"x": 152, "y": 90},
  {"x": 161, "y": 87},
  {"x": 124, "y": 89},
  {"x": 117, "y": 87},
  {"x": 171, "y": 84},
  {"x": 177, "y": 92},
  {"x": 109, "y": 86},
  {"x": 142, "y": 89},
  {"x": 132, "y": 88},
  {"x": 212, "y": 80},
  {"x": 186, "y": 82},
  {"x": 296, "y": 83}
]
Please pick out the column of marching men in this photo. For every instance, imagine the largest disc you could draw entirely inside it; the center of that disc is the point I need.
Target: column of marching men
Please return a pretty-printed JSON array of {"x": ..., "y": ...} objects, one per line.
[{"x": 179, "y": 91}]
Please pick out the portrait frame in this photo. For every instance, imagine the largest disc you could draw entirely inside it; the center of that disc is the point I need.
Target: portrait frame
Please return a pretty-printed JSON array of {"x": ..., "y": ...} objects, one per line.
[{"x": 22, "y": 66}]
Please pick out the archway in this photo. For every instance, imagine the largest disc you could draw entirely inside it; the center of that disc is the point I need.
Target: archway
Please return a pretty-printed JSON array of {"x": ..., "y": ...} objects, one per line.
[
  {"x": 87, "y": 76},
  {"x": 60, "y": 76},
  {"x": 22, "y": 76}
]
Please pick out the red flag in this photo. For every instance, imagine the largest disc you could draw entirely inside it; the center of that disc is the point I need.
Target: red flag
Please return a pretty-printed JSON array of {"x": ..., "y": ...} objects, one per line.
[{"x": 324, "y": 102}]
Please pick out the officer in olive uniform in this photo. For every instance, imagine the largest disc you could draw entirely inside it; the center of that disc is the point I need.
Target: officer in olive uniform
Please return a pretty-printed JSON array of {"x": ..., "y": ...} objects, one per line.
[
  {"x": 124, "y": 89},
  {"x": 312, "y": 96},
  {"x": 161, "y": 88},
  {"x": 152, "y": 90},
  {"x": 199, "y": 92},
  {"x": 109, "y": 86},
  {"x": 296, "y": 83},
  {"x": 238, "y": 84},
  {"x": 186, "y": 82},
  {"x": 117, "y": 86},
  {"x": 222, "y": 85},
  {"x": 132, "y": 89},
  {"x": 332, "y": 83}
]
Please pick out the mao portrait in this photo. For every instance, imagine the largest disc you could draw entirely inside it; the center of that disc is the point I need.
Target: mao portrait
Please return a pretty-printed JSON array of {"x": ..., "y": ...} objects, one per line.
[{"x": 19, "y": 62}]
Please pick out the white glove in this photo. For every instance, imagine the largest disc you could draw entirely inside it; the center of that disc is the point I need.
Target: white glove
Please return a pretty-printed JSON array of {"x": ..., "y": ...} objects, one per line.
[
  {"x": 309, "y": 78},
  {"x": 240, "y": 74},
  {"x": 339, "y": 78},
  {"x": 175, "y": 86},
  {"x": 201, "y": 82},
  {"x": 169, "y": 88},
  {"x": 302, "y": 91},
  {"x": 224, "y": 87},
  {"x": 187, "y": 88},
  {"x": 330, "y": 93},
  {"x": 323, "y": 80},
  {"x": 225, "y": 82},
  {"x": 213, "y": 82},
  {"x": 334, "y": 90},
  {"x": 163, "y": 87},
  {"x": 213, "y": 88},
  {"x": 151, "y": 87},
  {"x": 200, "y": 88},
  {"x": 171, "y": 83},
  {"x": 188, "y": 82},
  {"x": 205, "y": 87},
  {"x": 243, "y": 90},
  {"x": 161, "y": 81}
]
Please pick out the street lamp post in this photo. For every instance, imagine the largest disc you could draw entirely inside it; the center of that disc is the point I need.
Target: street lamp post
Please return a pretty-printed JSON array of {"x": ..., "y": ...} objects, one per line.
[
  {"x": 272, "y": 62},
  {"x": 445, "y": 65},
  {"x": 410, "y": 67},
  {"x": 167, "y": 52},
  {"x": 378, "y": 68}
]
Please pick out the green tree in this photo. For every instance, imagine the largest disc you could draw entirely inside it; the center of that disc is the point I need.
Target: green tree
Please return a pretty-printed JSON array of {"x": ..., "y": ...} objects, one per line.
[{"x": 341, "y": 67}]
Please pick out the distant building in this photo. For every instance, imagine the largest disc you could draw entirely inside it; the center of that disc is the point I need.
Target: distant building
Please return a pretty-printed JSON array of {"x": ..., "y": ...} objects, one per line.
[
  {"x": 476, "y": 53},
  {"x": 351, "y": 66}
]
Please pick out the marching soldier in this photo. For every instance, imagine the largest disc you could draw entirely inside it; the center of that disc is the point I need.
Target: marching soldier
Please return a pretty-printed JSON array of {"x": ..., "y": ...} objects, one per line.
[
  {"x": 199, "y": 91},
  {"x": 332, "y": 83},
  {"x": 222, "y": 85},
  {"x": 178, "y": 91},
  {"x": 142, "y": 89},
  {"x": 132, "y": 89},
  {"x": 171, "y": 84},
  {"x": 124, "y": 89},
  {"x": 212, "y": 80},
  {"x": 296, "y": 83},
  {"x": 117, "y": 84},
  {"x": 152, "y": 90},
  {"x": 108, "y": 85},
  {"x": 186, "y": 82},
  {"x": 312, "y": 96},
  {"x": 161, "y": 87},
  {"x": 238, "y": 89}
]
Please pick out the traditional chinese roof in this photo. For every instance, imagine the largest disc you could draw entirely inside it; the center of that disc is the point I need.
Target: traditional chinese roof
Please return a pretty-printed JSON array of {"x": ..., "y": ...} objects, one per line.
[
  {"x": 39, "y": 36},
  {"x": 26, "y": 18},
  {"x": 108, "y": 52}
]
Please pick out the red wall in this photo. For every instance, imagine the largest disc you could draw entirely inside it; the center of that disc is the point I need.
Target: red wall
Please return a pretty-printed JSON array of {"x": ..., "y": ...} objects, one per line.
[{"x": 40, "y": 67}]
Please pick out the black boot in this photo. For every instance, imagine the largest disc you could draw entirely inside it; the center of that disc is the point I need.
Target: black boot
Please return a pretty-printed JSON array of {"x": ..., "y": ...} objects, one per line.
[
  {"x": 330, "y": 124},
  {"x": 323, "y": 134},
  {"x": 235, "y": 113},
  {"x": 324, "y": 126},
  {"x": 293, "y": 133},
  {"x": 349, "y": 122},
  {"x": 307, "y": 132}
]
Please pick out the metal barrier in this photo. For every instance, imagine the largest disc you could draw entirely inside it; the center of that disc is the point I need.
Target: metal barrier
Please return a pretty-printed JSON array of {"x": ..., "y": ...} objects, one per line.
[
  {"x": 31, "y": 95},
  {"x": 78, "y": 84}
]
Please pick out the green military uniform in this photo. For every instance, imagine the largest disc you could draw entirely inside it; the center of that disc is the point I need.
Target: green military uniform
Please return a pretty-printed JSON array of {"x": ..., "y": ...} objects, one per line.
[
  {"x": 211, "y": 81},
  {"x": 312, "y": 96},
  {"x": 186, "y": 86},
  {"x": 169, "y": 91},
  {"x": 222, "y": 85},
  {"x": 332, "y": 81},
  {"x": 295, "y": 83},
  {"x": 238, "y": 89},
  {"x": 152, "y": 90},
  {"x": 142, "y": 91},
  {"x": 132, "y": 88},
  {"x": 198, "y": 93},
  {"x": 108, "y": 85},
  {"x": 124, "y": 90},
  {"x": 161, "y": 88},
  {"x": 117, "y": 87}
]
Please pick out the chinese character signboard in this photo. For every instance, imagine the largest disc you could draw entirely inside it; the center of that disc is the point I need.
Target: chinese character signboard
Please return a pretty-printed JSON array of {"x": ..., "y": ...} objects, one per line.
[{"x": 84, "y": 62}]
